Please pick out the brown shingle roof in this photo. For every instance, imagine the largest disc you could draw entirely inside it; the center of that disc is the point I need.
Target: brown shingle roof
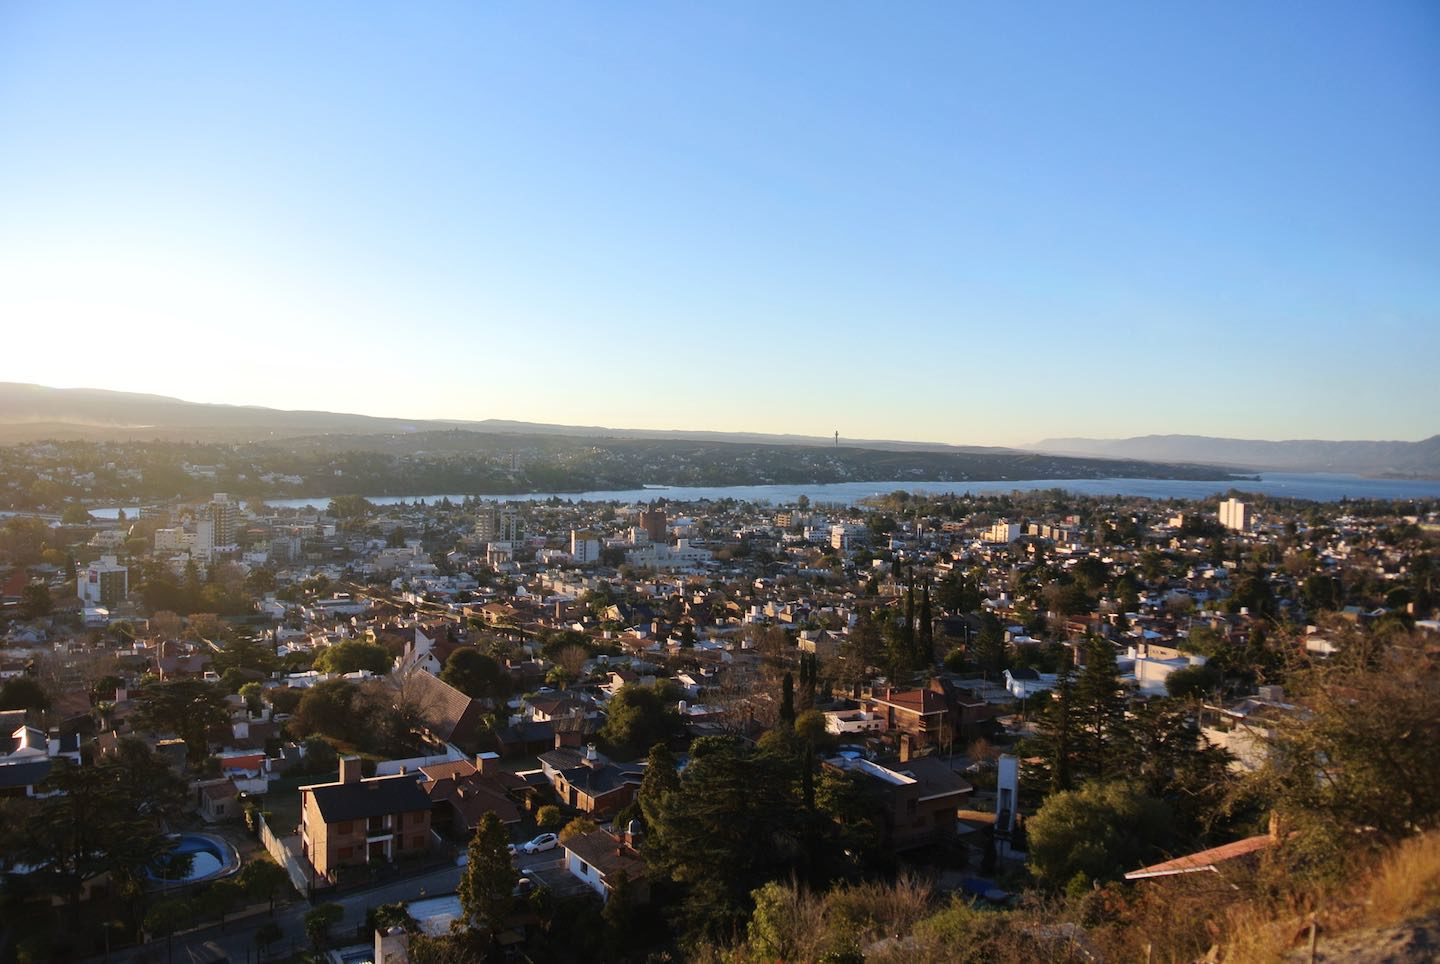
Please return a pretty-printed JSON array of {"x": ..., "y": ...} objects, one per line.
[
  {"x": 607, "y": 854},
  {"x": 447, "y": 712}
]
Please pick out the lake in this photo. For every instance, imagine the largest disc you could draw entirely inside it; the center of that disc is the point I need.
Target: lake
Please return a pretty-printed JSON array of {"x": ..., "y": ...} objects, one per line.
[{"x": 1319, "y": 487}]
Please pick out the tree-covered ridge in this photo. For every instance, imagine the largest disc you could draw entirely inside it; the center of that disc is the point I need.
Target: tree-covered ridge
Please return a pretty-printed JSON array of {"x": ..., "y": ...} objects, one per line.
[{"x": 43, "y": 475}]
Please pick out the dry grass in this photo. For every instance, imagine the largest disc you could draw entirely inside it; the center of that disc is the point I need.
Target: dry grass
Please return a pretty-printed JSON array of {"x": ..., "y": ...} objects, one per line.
[{"x": 1405, "y": 883}]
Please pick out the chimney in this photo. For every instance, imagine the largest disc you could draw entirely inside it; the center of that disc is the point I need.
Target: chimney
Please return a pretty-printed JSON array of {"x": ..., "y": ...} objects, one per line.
[
  {"x": 487, "y": 763},
  {"x": 592, "y": 758},
  {"x": 349, "y": 769}
]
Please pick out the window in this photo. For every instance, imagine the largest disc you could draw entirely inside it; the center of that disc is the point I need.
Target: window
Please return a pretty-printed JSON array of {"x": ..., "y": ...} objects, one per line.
[
  {"x": 343, "y": 826},
  {"x": 344, "y": 853}
]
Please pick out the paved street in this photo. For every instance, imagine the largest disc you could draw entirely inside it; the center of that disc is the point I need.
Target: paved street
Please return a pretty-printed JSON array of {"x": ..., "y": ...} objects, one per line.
[{"x": 238, "y": 939}]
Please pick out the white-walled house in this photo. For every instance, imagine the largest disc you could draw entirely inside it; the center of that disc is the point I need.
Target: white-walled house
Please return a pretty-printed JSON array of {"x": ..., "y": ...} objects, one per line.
[{"x": 598, "y": 859}]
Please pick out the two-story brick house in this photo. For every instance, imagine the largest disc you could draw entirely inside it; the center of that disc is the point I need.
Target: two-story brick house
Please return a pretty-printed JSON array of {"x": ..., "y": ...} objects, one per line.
[{"x": 358, "y": 821}]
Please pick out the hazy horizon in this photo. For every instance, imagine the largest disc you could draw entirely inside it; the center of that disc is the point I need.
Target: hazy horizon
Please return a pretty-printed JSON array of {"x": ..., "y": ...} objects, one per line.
[
  {"x": 683, "y": 429},
  {"x": 947, "y": 223}
]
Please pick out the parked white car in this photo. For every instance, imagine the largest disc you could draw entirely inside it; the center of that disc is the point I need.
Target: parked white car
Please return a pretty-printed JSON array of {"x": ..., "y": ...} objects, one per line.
[{"x": 546, "y": 841}]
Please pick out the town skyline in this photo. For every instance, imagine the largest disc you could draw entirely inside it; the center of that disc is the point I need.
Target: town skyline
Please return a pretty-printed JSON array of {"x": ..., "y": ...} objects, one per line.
[{"x": 964, "y": 225}]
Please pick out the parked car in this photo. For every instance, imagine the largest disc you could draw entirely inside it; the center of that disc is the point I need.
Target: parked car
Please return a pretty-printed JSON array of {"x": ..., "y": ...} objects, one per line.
[{"x": 546, "y": 841}]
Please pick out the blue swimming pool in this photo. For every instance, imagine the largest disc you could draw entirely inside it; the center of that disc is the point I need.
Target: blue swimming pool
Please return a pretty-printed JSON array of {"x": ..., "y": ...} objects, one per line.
[{"x": 210, "y": 857}]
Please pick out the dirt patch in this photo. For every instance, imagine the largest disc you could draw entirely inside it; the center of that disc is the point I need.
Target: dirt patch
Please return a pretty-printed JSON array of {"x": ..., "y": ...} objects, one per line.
[{"x": 1413, "y": 942}]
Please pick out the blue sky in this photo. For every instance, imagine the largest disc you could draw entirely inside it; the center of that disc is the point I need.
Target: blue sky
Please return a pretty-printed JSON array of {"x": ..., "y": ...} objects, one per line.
[{"x": 957, "y": 222}]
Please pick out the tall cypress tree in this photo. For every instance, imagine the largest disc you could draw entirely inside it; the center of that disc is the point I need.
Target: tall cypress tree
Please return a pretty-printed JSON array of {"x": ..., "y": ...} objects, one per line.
[
  {"x": 927, "y": 629},
  {"x": 909, "y": 634},
  {"x": 787, "y": 700}
]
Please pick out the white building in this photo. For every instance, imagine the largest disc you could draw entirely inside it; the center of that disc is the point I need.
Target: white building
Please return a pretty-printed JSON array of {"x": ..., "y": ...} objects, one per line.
[
  {"x": 1002, "y": 531},
  {"x": 682, "y": 555},
  {"x": 1235, "y": 515},
  {"x": 846, "y": 722},
  {"x": 584, "y": 547},
  {"x": 1154, "y": 664},
  {"x": 104, "y": 583},
  {"x": 846, "y": 536}
]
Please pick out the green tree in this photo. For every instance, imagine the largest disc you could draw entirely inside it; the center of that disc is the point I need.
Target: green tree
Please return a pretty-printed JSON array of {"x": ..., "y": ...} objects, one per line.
[
  {"x": 319, "y": 921},
  {"x": 263, "y": 880},
  {"x": 349, "y": 508},
  {"x": 621, "y": 916},
  {"x": 1099, "y": 711},
  {"x": 245, "y": 653},
  {"x": 639, "y": 716},
  {"x": 549, "y": 817},
  {"x": 959, "y": 593},
  {"x": 787, "y": 700},
  {"x": 96, "y": 820},
  {"x": 1054, "y": 744},
  {"x": 252, "y": 693},
  {"x": 353, "y": 656},
  {"x": 35, "y": 602},
  {"x": 187, "y": 708},
  {"x": 1173, "y": 762},
  {"x": 75, "y": 515},
  {"x": 1359, "y": 770},
  {"x": 23, "y": 693},
  {"x": 926, "y": 639},
  {"x": 328, "y": 708},
  {"x": 167, "y": 917},
  {"x": 488, "y": 883},
  {"x": 990, "y": 643},
  {"x": 660, "y": 780},
  {"x": 1192, "y": 682},
  {"x": 1101, "y": 830},
  {"x": 577, "y": 827},
  {"x": 219, "y": 899},
  {"x": 736, "y": 820},
  {"x": 266, "y": 936},
  {"x": 475, "y": 674}
]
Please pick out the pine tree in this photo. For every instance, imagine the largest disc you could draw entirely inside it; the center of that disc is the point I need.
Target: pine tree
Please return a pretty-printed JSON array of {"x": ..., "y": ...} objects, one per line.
[
  {"x": 909, "y": 635},
  {"x": 1099, "y": 712},
  {"x": 927, "y": 629},
  {"x": 1054, "y": 743},
  {"x": 660, "y": 779},
  {"x": 787, "y": 700},
  {"x": 487, "y": 886}
]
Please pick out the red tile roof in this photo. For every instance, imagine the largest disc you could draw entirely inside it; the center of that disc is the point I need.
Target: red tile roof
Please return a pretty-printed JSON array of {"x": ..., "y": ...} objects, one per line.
[{"x": 1205, "y": 859}]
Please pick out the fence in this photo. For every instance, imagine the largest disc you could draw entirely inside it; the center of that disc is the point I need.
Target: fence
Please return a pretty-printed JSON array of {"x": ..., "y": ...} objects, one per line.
[{"x": 293, "y": 863}]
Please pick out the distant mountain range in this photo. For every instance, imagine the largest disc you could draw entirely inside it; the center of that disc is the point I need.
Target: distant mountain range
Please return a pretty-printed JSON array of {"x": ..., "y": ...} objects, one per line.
[
  {"x": 33, "y": 412},
  {"x": 343, "y": 452},
  {"x": 1385, "y": 459}
]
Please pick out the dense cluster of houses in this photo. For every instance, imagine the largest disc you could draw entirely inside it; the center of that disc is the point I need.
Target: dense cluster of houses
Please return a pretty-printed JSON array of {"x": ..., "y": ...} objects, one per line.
[{"x": 713, "y": 602}]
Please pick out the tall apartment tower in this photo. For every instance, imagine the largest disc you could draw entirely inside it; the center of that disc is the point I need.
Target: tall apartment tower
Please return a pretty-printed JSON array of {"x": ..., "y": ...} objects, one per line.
[
  {"x": 499, "y": 523},
  {"x": 653, "y": 521},
  {"x": 225, "y": 514},
  {"x": 103, "y": 583},
  {"x": 1235, "y": 515}
]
